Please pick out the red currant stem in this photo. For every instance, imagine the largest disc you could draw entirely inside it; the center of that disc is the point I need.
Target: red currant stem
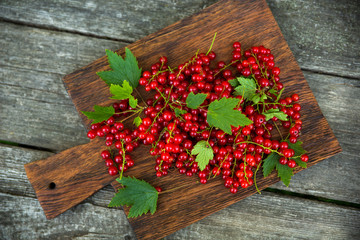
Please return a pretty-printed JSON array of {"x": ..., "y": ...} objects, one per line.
[
  {"x": 211, "y": 128},
  {"x": 171, "y": 69},
  {"x": 221, "y": 165},
  {"x": 123, "y": 156},
  {"x": 245, "y": 165},
  {"x": 237, "y": 135},
  {"x": 127, "y": 111},
  {"x": 266, "y": 128},
  {"x": 225, "y": 67},
  {"x": 257, "y": 169},
  {"x": 272, "y": 150},
  {"x": 157, "y": 74},
  {"x": 233, "y": 169},
  {"x": 161, "y": 110},
  {"x": 142, "y": 99},
  {"x": 180, "y": 117},
  {"x": 277, "y": 128},
  {"x": 159, "y": 138},
  {"x": 257, "y": 62},
  {"x": 188, "y": 63},
  {"x": 212, "y": 43},
  {"x": 123, "y": 120}
]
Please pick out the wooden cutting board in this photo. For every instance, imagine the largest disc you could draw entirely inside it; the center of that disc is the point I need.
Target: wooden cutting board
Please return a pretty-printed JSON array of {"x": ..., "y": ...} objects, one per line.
[{"x": 71, "y": 176}]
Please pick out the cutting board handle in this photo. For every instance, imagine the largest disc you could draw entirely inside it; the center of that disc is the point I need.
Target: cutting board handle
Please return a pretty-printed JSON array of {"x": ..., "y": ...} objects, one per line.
[{"x": 69, "y": 177}]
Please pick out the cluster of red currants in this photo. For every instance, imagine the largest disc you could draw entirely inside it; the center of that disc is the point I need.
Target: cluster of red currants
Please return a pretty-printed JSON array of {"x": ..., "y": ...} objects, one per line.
[{"x": 173, "y": 129}]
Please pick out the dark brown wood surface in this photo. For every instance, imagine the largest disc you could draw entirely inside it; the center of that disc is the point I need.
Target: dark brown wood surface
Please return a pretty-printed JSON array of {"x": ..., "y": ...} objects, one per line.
[
  {"x": 249, "y": 22},
  {"x": 67, "y": 178}
]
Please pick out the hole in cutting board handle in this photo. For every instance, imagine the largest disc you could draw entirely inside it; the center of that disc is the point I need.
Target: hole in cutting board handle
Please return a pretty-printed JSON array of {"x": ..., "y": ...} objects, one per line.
[{"x": 52, "y": 185}]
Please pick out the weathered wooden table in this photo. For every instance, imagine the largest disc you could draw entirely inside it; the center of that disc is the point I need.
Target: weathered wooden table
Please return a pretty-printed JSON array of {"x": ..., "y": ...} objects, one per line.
[{"x": 40, "y": 42}]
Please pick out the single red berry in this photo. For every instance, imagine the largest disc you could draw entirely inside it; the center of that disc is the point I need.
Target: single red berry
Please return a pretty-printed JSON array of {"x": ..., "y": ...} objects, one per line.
[
  {"x": 113, "y": 171},
  {"x": 304, "y": 158},
  {"x": 291, "y": 163},
  {"x": 91, "y": 134}
]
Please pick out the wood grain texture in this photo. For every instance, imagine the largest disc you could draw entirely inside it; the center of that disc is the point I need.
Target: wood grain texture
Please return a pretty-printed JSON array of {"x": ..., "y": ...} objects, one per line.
[
  {"x": 324, "y": 29},
  {"x": 32, "y": 63},
  {"x": 266, "y": 216},
  {"x": 318, "y": 32},
  {"x": 67, "y": 178},
  {"x": 177, "y": 210}
]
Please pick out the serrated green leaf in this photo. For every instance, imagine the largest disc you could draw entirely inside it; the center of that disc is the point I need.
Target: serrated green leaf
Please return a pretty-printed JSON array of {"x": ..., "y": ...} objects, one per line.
[
  {"x": 284, "y": 172},
  {"x": 122, "y": 69},
  {"x": 195, "y": 100},
  {"x": 234, "y": 82},
  {"x": 263, "y": 97},
  {"x": 255, "y": 98},
  {"x": 137, "y": 194},
  {"x": 121, "y": 92},
  {"x": 275, "y": 113},
  {"x": 247, "y": 87},
  {"x": 100, "y": 113},
  {"x": 269, "y": 163},
  {"x": 221, "y": 114},
  {"x": 273, "y": 91},
  {"x": 137, "y": 121},
  {"x": 133, "y": 101},
  {"x": 299, "y": 162},
  {"x": 204, "y": 154},
  {"x": 179, "y": 112}
]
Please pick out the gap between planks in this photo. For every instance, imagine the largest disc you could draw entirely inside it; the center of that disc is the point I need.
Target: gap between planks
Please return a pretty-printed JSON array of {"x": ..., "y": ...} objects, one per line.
[
  {"x": 26, "y": 146},
  {"x": 304, "y": 69},
  {"x": 53, "y": 28}
]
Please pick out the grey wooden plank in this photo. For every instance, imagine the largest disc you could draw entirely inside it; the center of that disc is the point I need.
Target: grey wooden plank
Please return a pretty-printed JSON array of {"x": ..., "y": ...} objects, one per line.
[
  {"x": 23, "y": 218},
  {"x": 49, "y": 51},
  {"x": 324, "y": 35},
  {"x": 35, "y": 107},
  {"x": 266, "y": 216},
  {"x": 124, "y": 20},
  {"x": 269, "y": 216}
]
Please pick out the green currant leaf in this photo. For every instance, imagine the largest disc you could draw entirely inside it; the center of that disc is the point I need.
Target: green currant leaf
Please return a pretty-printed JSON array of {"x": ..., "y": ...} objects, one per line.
[
  {"x": 275, "y": 113},
  {"x": 273, "y": 91},
  {"x": 179, "y": 112},
  {"x": 100, "y": 113},
  {"x": 204, "y": 154},
  {"x": 299, "y": 162},
  {"x": 221, "y": 114},
  {"x": 122, "y": 69},
  {"x": 234, "y": 82},
  {"x": 121, "y": 92},
  {"x": 255, "y": 98},
  {"x": 299, "y": 150},
  {"x": 137, "y": 121},
  {"x": 137, "y": 194},
  {"x": 133, "y": 101},
  {"x": 263, "y": 97},
  {"x": 195, "y": 100},
  {"x": 284, "y": 172},
  {"x": 269, "y": 163},
  {"x": 247, "y": 87}
]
